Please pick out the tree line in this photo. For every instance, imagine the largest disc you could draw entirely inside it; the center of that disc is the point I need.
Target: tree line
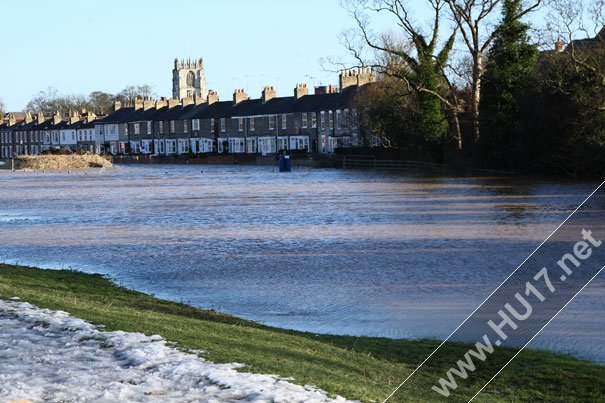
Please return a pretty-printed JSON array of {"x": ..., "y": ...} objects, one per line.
[
  {"x": 472, "y": 87},
  {"x": 51, "y": 101}
]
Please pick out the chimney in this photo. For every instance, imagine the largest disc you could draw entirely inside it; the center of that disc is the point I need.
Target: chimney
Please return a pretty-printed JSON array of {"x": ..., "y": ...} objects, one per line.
[
  {"x": 148, "y": 104},
  {"x": 559, "y": 46},
  {"x": 239, "y": 95},
  {"x": 197, "y": 100},
  {"x": 162, "y": 103},
  {"x": 268, "y": 93},
  {"x": 347, "y": 78},
  {"x": 40, "y": 118},
  {"x": 28, "y": 117},
  {"x": 326, "y": 89},
  {"x": 74, "y": 117},
  {"x": 300, "y": 91},
  {"x": 172, "y": 103},
  {"x": 138, "y": 103},
  {"x": 90, "y": 117},
  {"x": 117, "y": 105},
  {"x": 186, "y": 101},
  {"x": 57, "y": 118},
  {"x": 212, "y": 97}
]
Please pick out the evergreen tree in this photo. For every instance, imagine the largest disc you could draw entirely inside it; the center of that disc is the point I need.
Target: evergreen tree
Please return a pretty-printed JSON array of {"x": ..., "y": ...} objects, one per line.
[{"x": 509, "y": 74}]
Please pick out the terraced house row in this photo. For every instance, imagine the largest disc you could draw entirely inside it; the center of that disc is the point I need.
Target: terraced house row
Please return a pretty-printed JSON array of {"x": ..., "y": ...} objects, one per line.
[{"x": 318, "y": 122}]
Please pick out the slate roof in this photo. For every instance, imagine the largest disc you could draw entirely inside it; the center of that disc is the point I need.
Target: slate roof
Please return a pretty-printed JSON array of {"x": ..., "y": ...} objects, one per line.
[
  {"x": 122, "y": 115},
  {"x": 307, "y": 103},
  {"x": 25, "y": 126},
  {"x": 227, "y": 109},
  {"x": 45, "y": 125},
  {"x": 59, "y": 126}
]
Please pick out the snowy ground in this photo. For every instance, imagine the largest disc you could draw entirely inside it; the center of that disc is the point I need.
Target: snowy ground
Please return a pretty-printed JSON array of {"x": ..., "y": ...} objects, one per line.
[{"x": 51, "y": 356}]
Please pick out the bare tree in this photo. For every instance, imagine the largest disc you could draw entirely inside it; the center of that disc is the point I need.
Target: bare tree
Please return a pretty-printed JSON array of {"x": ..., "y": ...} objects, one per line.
[
  {"x": 50, "y": 102},
  {"x": 581, "y": 25},
  {"x": 132, "y": 92},
  {"x": 416, "y": 61},
  {"x": 475, "y": 19},
  {"x": 101, "y": 102},
  {"x": 2, "y": 107}
]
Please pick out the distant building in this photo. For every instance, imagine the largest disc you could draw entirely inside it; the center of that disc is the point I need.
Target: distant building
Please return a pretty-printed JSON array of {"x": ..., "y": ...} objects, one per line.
[
  {"x": 188, "y": 79},
  {"x": 196, "y": 121}
]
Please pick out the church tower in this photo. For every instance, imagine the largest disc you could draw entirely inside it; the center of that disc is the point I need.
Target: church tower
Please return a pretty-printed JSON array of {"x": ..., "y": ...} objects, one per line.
[{"x": 188, "y": 79}]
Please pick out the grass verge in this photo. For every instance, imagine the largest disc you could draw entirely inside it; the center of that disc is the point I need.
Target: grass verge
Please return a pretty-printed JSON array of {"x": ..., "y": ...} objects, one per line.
[{"x": 361, "y": 368}]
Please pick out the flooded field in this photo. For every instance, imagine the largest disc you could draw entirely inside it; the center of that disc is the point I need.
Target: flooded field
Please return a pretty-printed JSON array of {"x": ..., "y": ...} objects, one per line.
[{"x": 326, "y": 251}]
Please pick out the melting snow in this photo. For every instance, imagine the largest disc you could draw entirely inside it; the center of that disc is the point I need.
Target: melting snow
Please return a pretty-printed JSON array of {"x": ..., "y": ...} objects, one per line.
[{"x": 51, "y": 356}]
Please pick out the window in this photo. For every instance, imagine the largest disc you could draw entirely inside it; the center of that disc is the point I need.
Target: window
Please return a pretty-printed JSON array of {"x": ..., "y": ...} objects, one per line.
[
  {"x": 272, "y": 122},
  {"x": 252, "y": 124},
  {"x": 266, "y": 145},
  {"x": 170, "y": 146},
  {"x": 237, "y": 145},
  {"x": 338, "y": 119},
  {"x": 183, "y": 146},
  {"x": 331, "y": 119},
  {"x": 284, "y": 122},
  {"x": 282, "y": 143},
  {"x": 195, "y": 124},
  {"x": 223, "y": 124},
  {"x": 211, "y": 125},
  {"x": 322, "y": 120},
  {"x": 251, "y": 145},
  {"x": 137, "y": 128},
  {"x": 135, "y": 147},
  {"x": 126, "y": 128},
  {"x": 241, "y": 124},
  {"x": 161, "y": 127},
  {"x": 148, "y": 127},
  {"x": 185, "y": 126},
  {"x": 314, "y": 120},
  {"x": 172, "y": 126},
  {"x": 304, "y": 121},
  {"x": 190, "y": 80}
]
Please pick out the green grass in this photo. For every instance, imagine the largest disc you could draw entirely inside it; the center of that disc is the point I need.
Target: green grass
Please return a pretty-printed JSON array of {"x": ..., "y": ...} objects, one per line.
[{"x": 355, "y": 367}]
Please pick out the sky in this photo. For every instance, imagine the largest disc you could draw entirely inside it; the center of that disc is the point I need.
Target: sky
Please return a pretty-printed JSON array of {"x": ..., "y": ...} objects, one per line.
[
  {"x": 83, "y": 46},
  {"x": 78, "y": 47}
]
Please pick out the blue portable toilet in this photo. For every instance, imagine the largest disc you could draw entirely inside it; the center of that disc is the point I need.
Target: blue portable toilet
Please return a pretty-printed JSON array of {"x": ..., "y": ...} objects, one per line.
[{"x": 285, "y": 163}]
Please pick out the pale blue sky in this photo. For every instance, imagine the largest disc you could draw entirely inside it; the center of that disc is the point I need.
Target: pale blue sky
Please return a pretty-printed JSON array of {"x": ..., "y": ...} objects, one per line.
[
  {"x": 78, "y": 46},
  {"x": 83, "y": 46}
]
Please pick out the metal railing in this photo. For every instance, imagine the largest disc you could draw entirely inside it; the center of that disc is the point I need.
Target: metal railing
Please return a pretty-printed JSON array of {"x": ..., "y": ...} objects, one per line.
[{"x": 371, "y": 162}]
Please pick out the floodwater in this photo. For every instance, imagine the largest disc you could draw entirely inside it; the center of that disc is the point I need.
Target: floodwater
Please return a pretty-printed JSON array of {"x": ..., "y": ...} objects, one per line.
[{"x": 328, "y": 251}]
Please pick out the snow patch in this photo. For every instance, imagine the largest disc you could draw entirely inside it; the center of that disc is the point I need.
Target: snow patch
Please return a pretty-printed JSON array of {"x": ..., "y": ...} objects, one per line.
[{"x": 51, "y": 356}]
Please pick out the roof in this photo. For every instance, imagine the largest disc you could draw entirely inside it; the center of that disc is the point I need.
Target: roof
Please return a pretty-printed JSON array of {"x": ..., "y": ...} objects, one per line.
[
  {"x": 75, "y": 125},
  {"x": 307, "y": 103},
  {"x": 25, "y": 126},
  {"x": 122, "y": 115},
  {"x": 44, "y": 125},
  {"x": 89, "y": 125},
  {"x": 61, "y": 125}
]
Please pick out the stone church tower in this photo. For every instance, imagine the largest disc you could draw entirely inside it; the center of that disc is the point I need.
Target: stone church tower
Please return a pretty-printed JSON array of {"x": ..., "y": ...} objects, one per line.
[{"x": 188, "y": 79}]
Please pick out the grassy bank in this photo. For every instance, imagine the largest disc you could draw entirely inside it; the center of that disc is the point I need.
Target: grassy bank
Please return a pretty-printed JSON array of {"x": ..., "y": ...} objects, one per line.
[
  {"x": 355, "y": 367},
  {"x": 55, "y": 162}
]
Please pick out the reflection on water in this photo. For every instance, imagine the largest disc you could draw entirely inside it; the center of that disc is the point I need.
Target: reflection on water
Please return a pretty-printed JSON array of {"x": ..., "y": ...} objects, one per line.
[{"x": 345, "y": 252}]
